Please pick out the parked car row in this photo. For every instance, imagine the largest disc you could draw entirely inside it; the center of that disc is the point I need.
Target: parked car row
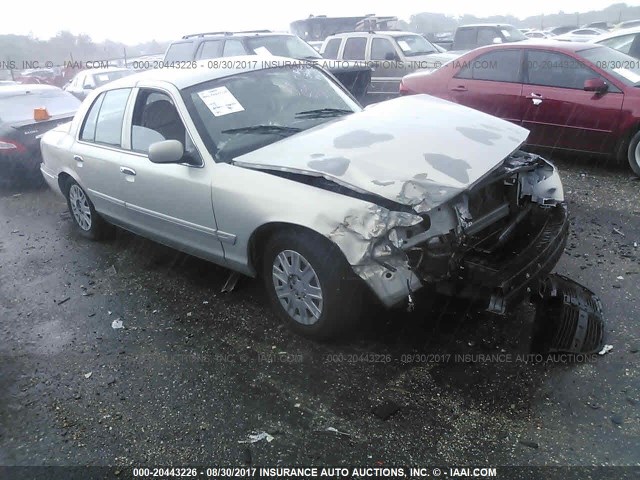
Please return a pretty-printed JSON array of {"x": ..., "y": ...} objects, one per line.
[{"x": 571, "y": 96}]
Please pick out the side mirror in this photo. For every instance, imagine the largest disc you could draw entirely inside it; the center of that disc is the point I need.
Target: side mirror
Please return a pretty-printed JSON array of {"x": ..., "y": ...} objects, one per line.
[
  {"x": 595, "y": 85},
  {"x": 166, "y": 151},
  {"x": 391, "y": 56},
  {"x": 88, "y": 86}
]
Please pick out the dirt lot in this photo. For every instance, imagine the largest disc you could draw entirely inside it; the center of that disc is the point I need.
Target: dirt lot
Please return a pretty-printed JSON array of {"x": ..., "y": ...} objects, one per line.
[{"x": 194, "y": 372}]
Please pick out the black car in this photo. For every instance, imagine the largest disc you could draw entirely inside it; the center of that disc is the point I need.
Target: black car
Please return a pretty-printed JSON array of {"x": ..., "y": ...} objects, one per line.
[
  {"x": 26, "y": 113},
  {"x": 202, "y": 46}
]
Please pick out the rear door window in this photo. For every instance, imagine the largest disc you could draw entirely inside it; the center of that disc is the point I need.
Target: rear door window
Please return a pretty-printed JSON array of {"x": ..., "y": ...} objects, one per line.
[
  {"x": 233, "y": 47},
  {"x": 354, "y": 48},
  {"x": 210, "y": 49},
  {"x": 332, "y": 48},
  {"x": 179, "y": 52},
  {"x": 105, "y": 126}
]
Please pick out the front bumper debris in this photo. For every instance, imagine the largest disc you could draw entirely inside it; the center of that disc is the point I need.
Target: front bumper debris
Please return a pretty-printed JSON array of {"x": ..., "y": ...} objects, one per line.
[{"x": 568, "y": 317}]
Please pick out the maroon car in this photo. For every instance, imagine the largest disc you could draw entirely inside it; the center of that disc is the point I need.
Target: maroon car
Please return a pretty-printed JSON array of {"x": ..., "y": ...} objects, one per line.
[{"x": 571, "y": 96}]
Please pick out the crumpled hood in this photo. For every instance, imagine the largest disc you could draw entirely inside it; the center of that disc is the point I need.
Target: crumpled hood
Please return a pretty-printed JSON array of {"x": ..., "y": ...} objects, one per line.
[{"x": 418, "y": 150}]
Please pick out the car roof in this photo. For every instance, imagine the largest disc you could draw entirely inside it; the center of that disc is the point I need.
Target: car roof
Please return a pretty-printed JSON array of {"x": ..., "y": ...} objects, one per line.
[
  {"x": 105, "y": 70},
  {"x": 391, "y": 33},
  {"x": 187, "y": 77},
  {"x": 616, "y": 33},
  {"x": 12, "y": 90},
  {"x": 250, "y": 33},
  {"x": 486, "y": 25},
  {"x": 539, "y": 43}
]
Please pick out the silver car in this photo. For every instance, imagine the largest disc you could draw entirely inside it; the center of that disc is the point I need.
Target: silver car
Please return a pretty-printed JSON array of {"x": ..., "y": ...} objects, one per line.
[{"x": 271, "y": 169}]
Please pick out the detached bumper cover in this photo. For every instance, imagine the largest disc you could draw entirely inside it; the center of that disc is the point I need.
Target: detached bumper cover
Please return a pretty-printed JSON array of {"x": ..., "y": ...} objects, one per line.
[{"x": 507, "y": 282}]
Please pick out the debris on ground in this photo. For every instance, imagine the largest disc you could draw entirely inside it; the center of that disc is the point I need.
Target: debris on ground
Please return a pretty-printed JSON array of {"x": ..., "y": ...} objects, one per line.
[
  {"x": 257, "y": 437},
  {"x": 617, "y": 420},
  {"x": 528, "y": 443},
  {"x": 117, "y": 324},
  {"x": 386, "y": 409},
  {"x": 606, "y": 349},
  {"x": 88, "y": 375},
  {"x": 112, "y": 270},
  {"x": 64, "y": 300},
  {"x": 618, "y": 231},
  {"x": 334, "y": 430},
  {"x": 230, "y": 284}
]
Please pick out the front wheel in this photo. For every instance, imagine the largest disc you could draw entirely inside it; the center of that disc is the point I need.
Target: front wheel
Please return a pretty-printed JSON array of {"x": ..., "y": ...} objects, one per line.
[
  {"x": 84, "y": 216},
  {"x": 633, "y": 154},
  {"x": 310, "y": 285}
]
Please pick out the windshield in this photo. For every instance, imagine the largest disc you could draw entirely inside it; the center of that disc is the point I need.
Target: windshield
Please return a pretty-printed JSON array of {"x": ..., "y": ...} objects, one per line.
[
  {"x": 413, "y": 45},
  {"x": 19, "y": 107},
  {"x": 106, "y": 77},
  {"x": 621, "y": 66},
  {"x": 238, "y": 114},
  {"x": 283, "y": 46}
]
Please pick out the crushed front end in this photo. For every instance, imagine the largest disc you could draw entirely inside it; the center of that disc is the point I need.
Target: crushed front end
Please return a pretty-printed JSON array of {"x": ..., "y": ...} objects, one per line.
[{"x": 492, "y": 243}]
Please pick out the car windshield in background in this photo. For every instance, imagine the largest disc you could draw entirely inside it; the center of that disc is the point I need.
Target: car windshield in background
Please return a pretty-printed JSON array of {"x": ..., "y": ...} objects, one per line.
[
  {"x": 106, "y": 77},
  {"x": 512, "y": 34},
  {"x": 283, "y": 46},
  {"x": 19, "y": 107},
  {"x": 239, "y": 114},
  {"x": 414, "y": 45},
  {"x": 621, "y": 66}
]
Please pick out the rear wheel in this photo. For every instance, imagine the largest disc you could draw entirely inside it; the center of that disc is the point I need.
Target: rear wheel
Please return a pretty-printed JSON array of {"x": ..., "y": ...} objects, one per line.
[
  {"x": 310, "y": 285},
  {"x": 633, "y": 154},
  {"x": 84, "y": 216}
]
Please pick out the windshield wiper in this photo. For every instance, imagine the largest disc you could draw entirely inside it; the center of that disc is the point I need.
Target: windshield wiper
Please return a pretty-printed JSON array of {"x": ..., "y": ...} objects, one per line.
[
  {"x": 323, "y": 112},
  {"x": 265, "y": 129}
]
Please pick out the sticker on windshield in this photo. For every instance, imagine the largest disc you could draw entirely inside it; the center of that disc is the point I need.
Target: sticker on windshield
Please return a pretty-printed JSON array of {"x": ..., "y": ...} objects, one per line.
[
  {"x": 103, "y": 77},
  {"x": 220, "y": 101},
  {"x": 404, "y": 46},
  {"x": 506, "y": 33},
  {"x": 262, "y": 51},
  {"x": 628, "y": 74}
]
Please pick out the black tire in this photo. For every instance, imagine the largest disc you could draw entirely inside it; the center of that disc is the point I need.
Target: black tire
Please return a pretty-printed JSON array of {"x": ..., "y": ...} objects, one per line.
[
  {"x": 632, "y": 156},
  {"x": 341, "y": 290},
  {"x": 96, "y": 228}
]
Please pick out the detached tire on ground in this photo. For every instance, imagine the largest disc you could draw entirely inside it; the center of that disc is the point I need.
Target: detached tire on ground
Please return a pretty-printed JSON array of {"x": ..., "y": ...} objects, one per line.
[
  {"x": 310, "y": 284},
  {"x": 633, "y": 154},
  {"x": 83, "y": 215}
]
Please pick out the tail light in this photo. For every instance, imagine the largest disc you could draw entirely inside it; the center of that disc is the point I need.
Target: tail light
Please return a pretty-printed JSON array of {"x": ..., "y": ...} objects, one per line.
[
  {"x": 11, "y": 146},
  {"x": 40, "y": 114}
]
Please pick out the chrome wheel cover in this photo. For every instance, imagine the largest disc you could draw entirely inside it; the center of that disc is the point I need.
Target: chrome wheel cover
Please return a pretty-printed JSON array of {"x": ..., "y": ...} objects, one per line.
[
  {"x": 297, "y": 287},
  {"x": 80, "y": 207}
]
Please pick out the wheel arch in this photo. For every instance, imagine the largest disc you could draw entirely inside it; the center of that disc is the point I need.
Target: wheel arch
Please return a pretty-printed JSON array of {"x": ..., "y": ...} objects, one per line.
[{"x": 260, "y": 236}]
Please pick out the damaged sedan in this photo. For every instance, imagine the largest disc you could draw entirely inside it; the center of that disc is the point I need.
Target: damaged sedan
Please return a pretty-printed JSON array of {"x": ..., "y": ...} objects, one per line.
[{"x": 278, "y": 173}]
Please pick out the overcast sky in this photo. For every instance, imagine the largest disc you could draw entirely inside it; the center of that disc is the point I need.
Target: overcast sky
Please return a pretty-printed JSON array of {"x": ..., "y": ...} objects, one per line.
[{"x": 134, "y": 21}]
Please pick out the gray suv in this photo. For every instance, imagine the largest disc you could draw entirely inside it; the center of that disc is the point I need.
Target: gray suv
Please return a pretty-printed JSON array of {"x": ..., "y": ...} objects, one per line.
[
  {"x": 203, "y": 46},
  {"x": 391, "y": 55}
]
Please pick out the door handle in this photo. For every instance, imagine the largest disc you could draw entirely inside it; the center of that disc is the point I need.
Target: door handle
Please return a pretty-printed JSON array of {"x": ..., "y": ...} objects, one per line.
[
  {"x": 78, "y": 158},
  {"x": 127, "y": 171},
  {"x": 459, "y": 88},
  {"x": 534, "y": 95}
]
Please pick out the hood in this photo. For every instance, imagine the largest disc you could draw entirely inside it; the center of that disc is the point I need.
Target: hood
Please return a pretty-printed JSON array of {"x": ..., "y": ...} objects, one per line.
[{"x": 418, "y": 150}]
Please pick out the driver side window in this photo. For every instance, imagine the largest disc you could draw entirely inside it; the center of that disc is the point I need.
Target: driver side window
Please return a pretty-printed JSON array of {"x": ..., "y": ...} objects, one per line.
[{"x": 155, "y": 118}]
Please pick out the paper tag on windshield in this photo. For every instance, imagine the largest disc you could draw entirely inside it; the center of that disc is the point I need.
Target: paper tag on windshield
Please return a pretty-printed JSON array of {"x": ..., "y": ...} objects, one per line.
[
  {"x": 262, "y": 51},
  {"x": 505, "y": 33},
  {"x": 628, "y": 74},
  {"x": 220, "y": 101},
  {"x": 103, "y": 77},
  {"x": 404, "y": 46}
]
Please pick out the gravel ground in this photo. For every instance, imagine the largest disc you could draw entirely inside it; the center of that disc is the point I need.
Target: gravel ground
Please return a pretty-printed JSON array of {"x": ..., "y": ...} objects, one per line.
[{"x": 194, "y": 372}]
